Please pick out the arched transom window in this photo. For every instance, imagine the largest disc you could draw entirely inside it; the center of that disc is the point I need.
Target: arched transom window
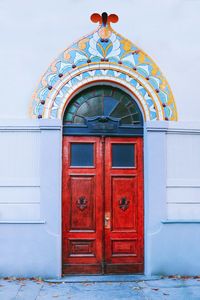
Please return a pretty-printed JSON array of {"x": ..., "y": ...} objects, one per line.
[{"x": 103, "y": 110}]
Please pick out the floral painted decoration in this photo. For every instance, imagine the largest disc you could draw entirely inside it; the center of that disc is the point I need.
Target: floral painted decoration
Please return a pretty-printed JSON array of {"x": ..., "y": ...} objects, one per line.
[{"x": 104, "y": 56}]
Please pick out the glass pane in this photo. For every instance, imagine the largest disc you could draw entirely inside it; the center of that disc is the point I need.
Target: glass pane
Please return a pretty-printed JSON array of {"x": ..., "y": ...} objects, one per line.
[
  {"x": 123, "y": 155},
  {"x": 82, "y": 155},
  {"x": 126, "y": 120},
  {"x": 83, "y": 109},
  {"x": 81, "y": 99},
  {"x": 109, "y": 105},
  {"x": 79, "y": 120},
  {"x": 108, "y": 90},
  {"x": 68, "y": 117},
  {"x": 95, "y": 107},
  {"x": 120, "y": 111}
]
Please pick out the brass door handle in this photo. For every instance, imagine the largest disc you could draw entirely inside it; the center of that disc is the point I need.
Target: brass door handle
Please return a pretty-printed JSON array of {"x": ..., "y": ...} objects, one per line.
[{"x": 107, "y": 220}]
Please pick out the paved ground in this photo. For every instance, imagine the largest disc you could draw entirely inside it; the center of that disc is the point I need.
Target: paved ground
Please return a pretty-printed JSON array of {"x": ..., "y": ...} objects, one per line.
[{"x": 112, "y": 289}]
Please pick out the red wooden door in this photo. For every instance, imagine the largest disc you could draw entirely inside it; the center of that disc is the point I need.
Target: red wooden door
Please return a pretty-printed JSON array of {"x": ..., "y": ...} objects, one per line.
[
  {"x": 82, "y": 205},
  {"x": 102, "y": 205},
  {"x": 123, "y": 205}
]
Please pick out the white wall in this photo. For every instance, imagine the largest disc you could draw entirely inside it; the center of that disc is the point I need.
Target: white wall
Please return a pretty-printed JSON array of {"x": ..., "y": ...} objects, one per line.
[
  {"x": 183, "y": 175},
  {"x": 33, "y": 33},
  {"x": 30, "y": 198},
  {"x": 19, "y": 175}
]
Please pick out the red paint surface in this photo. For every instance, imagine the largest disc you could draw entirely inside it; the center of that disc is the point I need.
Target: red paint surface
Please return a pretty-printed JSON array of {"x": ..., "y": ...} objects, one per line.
[{"x": 98, "y": 235}]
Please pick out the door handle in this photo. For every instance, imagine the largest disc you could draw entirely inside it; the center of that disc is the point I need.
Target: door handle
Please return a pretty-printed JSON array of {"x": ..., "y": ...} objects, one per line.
[{"x": 107, "y": 220}]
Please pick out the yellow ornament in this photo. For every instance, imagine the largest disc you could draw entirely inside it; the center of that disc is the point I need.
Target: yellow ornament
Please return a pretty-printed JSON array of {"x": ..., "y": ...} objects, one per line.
[
  {"x": 66, "y": 55},
  {"x": 126, "y": 45},
  {"x": 82, "y": 44}
]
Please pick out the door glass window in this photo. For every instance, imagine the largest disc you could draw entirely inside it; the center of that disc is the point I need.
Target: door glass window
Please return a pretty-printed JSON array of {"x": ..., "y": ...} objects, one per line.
[
  {"x": 103, "y": 101},
  {"x": 82, "y": 155},
  {"x": 123, "y": 155}
]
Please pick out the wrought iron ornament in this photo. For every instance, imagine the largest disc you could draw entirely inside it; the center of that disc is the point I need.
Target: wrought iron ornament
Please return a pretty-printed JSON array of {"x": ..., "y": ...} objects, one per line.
[
  {"x": 81, "y": 203},
  {"x": 124, "y": 203}
]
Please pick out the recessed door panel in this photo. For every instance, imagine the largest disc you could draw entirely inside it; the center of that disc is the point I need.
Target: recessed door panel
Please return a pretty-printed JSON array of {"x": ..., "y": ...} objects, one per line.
[
  {"x": 124, "y": 203},
  {"x": 82, "y": 191}
]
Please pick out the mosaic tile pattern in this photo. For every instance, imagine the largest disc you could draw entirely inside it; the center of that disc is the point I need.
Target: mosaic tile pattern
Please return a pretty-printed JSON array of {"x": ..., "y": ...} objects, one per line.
[{"x": 104, "y": 56}]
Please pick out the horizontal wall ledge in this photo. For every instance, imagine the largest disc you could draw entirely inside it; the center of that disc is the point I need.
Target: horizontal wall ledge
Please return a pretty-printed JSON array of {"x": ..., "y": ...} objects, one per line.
[
  {"x": 173, "y": 127},
  {"x": 182, "y": 182},
  {"x": 179, "y": 221},
  {"x": 22, "y": 222},
  {"x": 19, "y": 182},
  {"x": 30, "y": 125}
]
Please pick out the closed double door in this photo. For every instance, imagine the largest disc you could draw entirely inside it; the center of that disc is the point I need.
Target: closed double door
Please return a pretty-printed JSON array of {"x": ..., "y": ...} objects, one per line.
[{"x": 102, "y": 210}]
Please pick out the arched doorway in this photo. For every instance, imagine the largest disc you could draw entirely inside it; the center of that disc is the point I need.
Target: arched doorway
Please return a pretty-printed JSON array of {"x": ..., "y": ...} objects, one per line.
[
  {"x": 102, "y": 210},
  {"x": 99, "y": 58}
]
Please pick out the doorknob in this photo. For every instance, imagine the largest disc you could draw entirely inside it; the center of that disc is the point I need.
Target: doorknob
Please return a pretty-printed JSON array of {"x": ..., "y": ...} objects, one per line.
[{"x": 107, "y": 220}]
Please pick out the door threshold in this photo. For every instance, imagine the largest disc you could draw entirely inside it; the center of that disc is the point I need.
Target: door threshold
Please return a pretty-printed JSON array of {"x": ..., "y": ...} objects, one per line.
[{"x": 102, "y": 278}]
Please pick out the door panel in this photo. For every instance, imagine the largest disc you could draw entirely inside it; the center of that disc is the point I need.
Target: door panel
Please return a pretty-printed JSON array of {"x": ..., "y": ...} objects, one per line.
[
  {"x": 82, "y": 205},
  {"x": 124, "y": 205},
  {"x": 102, "y": 205}
]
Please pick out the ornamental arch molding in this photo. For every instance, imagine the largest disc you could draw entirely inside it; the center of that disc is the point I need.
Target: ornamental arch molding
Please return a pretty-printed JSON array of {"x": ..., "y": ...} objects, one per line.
[{"x": 104, "y": 56}]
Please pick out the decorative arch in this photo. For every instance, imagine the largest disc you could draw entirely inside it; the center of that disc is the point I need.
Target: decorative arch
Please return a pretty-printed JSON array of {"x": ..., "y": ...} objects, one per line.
[{"x": 104, "y": 56}]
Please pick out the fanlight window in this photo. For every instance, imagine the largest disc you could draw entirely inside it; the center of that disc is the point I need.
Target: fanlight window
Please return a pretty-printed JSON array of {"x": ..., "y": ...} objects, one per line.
[{"x": 102, "y": 109}]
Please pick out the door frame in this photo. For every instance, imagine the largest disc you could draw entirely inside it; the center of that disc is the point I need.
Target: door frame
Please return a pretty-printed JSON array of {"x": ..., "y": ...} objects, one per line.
[{"x": 144, "y": 155}]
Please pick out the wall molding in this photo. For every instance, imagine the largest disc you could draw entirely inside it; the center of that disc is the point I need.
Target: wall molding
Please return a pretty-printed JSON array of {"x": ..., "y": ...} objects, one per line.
[
  {"x": 25, "y": 125},
  {"x": 183, "y": 183},
  {"x": 179, "y": 221},
  {"x": 22, "y": 222},
  {"x": 173, "y": 127}
]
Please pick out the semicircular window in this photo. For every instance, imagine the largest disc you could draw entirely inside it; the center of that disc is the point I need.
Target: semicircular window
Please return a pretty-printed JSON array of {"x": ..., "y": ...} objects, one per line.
[{"x": 102, "y": 109}]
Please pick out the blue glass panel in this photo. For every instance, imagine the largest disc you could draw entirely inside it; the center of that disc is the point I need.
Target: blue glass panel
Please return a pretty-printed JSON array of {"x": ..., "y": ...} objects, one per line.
[
  {"x": 82, "y": 155},
  {"x": 123, "y": 155},
  {"x": 109, "y": 104}
]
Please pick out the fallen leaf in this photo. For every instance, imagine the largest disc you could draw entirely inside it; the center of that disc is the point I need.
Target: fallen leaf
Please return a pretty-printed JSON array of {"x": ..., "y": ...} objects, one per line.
[
  {"x": 185, "y": 277},
  {"x": 86, "y": 283}
]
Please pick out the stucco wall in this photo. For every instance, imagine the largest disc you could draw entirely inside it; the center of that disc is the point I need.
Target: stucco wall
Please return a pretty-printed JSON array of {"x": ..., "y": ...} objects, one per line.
[
  {"x": 30, "y": 198},
  {"x": 19, "y": 175},
  {"x": 33, "y": 33},
  {"x": 183, "y": 179}
]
